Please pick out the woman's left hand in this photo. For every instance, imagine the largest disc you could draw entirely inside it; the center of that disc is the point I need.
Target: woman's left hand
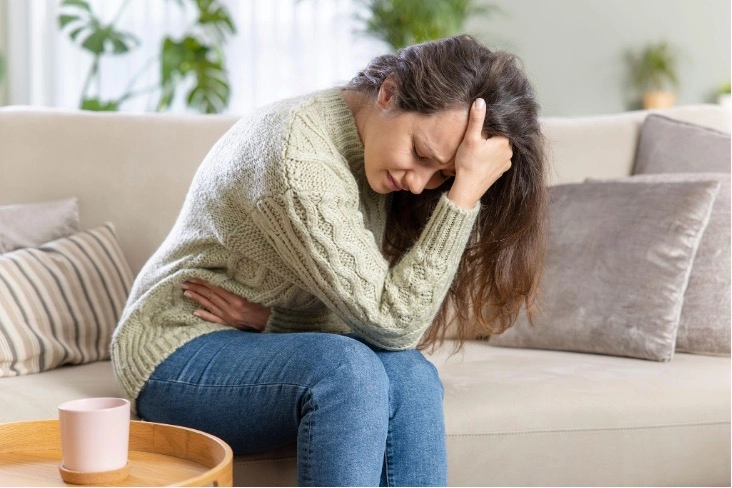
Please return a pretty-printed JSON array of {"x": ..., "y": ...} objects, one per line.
[{"x": 223, "y": 307}]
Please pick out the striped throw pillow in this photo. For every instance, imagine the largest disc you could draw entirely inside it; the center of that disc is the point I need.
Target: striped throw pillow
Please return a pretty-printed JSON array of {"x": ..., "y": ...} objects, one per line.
[{"x": 60, "y": 302}]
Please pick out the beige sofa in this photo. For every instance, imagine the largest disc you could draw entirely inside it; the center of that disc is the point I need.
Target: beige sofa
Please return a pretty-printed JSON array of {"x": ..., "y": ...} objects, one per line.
[{"x": 514, "y": 416}]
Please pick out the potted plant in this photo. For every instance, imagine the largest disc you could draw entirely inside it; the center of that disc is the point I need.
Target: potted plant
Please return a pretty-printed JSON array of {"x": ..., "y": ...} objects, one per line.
[
  {"x": 723, "y": 94},
  {"x": 2, "y": 69},
  {"x": 195, "y": 61},
  {"x": 654, "y": 71},
  {"x": 400, "y": 23}
]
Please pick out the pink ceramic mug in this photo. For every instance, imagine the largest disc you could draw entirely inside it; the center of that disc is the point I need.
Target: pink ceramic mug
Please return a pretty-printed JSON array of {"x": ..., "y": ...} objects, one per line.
[{"x": 95, "y": 434}]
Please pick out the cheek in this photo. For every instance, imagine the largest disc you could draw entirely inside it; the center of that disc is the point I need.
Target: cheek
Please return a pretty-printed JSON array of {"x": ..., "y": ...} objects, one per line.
[
  {"x": 378, "y": 156},
  {"x": 435, "y": 182}
]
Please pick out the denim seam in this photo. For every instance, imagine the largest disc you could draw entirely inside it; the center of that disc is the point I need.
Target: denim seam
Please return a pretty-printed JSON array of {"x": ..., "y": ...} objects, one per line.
[
  {"x": 266, "y": 461},
  {"x": 387, "y": 457},
  {"x": 389, "y": 443},
  {"x": 239, "y": 385},
  {"x": 307, "y": 467}
]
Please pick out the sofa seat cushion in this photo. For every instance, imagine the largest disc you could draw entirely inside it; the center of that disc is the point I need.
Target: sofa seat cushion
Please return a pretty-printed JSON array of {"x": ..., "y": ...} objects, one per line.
[{"x": 590, "y": 419}]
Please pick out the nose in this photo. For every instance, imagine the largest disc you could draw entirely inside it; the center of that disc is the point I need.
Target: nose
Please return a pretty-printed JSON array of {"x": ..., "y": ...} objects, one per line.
[{"x": 420, "y": 178}]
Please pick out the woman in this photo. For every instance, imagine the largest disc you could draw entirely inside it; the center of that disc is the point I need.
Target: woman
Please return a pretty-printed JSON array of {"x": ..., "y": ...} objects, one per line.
[{"x": 350, "y": 221}]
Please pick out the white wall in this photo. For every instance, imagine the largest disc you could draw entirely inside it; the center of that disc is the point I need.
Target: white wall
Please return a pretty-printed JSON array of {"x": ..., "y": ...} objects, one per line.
[
  {"x": 282, "y": 48},
  {"x": 574, "y": 49}
]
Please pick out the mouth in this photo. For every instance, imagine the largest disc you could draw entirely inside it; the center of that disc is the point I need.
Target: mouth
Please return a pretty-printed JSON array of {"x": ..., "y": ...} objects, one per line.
[{"x": 392, "y": 182}]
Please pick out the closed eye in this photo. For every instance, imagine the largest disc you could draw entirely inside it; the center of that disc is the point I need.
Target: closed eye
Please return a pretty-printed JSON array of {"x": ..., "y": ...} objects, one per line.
[{"x": 416, "y": 154}]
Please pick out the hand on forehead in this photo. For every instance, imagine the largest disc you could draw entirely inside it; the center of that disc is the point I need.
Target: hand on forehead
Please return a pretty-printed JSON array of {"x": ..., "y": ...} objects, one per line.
[{"x": 437, "y": 136}]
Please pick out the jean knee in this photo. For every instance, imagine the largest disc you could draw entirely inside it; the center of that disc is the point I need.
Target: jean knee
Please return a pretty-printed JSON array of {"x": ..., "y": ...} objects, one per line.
[
  {"x": 410, "y": 372},
  {"x": 351, "y": 369}
]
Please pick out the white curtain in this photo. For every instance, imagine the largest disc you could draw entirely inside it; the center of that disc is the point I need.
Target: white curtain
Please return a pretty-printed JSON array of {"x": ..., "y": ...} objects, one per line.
[{"x": 282, "y": 48}]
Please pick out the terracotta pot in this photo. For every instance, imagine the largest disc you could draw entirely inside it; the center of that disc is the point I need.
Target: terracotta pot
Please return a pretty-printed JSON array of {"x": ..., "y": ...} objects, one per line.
[{"x": 658, "y": 99}]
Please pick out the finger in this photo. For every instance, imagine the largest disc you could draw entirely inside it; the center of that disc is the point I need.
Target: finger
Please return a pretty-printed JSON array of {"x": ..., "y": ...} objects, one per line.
[
  {"x": 202, "y": 286},
  {"x": 204, "y": 302},
  {"x": 476, "y": 119},
  {"x": 209, "y": 317},
  {"x": 208, "y": 291},
  {"x": 224, "y": 294}
]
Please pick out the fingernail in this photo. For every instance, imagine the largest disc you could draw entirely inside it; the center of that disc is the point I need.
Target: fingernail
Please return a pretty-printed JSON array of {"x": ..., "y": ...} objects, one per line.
[
  {"x": 187, "y": 294},
  {"x": 184, "y": 285},
  {"x": 197, "y": 313},
  {"x": 479, "y": 103}
]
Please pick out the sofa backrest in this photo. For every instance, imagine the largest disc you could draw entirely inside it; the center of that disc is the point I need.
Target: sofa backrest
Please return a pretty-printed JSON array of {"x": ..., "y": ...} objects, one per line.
[
  {"x": 134, "y": 169},
  {"x": 604, "y": 146}
]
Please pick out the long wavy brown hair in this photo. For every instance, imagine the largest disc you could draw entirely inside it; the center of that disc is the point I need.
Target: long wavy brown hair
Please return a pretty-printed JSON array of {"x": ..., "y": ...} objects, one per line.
[{"x": 500, "y": 270}]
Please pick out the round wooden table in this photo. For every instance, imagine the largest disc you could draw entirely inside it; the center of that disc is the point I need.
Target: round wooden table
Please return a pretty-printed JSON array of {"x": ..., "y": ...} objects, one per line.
[{"x": 160, "y": 455}]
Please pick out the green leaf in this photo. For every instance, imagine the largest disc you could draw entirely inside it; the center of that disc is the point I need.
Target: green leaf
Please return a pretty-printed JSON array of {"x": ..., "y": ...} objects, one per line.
[
  {"x": 95, "y": 42},
  {"x": 120, "y": 47},
  {"x": 64, "y": 20},
  {"x": 99, "y": 106},
  {"x": 654, "y": 67},
  {"x": 404, "y": 22},
  {"x": 77, "y": 3},
  {"x": 108, "y": 41},
  {"x": 211, "y": 92},
  {"x": 188, "y": 57},
  {"x": 172, "y": 55},
  {"x": 122, "y": 42},
  {"x": 166, "y": 98},
  {"x": 215, "y": 19},
  {"x": 204, "y": 5},
  {"x": 75, "y": 33}
]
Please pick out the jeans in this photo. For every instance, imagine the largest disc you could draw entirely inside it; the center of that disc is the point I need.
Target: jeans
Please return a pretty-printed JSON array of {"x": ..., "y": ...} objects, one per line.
[{"x": 361, "y": 416}]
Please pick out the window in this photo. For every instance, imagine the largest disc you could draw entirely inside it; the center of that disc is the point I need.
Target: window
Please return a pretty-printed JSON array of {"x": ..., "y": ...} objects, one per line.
[{"x": 282, "y": 48}]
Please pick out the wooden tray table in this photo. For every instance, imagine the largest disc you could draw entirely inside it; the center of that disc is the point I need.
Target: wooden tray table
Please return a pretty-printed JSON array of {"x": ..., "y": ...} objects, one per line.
[{"x": 160, "y": 455}]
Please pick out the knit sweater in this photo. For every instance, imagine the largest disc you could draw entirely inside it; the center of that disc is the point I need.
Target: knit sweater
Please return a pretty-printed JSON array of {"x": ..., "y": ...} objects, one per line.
[{"x": 280, "y": 213}]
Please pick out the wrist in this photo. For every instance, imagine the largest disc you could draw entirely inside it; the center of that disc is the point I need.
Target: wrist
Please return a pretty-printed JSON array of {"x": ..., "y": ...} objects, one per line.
[{"x": 461, "y": 198}]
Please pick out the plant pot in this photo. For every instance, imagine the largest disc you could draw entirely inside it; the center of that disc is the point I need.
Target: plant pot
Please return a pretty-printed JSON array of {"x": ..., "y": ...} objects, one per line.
[
  {"x": 658, "y": 99},
  {"x": 724, "y": 100}
]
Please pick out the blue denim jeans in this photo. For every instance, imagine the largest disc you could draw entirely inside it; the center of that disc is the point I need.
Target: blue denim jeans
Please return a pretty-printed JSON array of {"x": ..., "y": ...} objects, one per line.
[{"x": 361, "y": 416}]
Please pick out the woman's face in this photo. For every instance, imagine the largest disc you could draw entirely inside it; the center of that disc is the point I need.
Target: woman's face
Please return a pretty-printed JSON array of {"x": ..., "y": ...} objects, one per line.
[{"x": 409, "y": 151}]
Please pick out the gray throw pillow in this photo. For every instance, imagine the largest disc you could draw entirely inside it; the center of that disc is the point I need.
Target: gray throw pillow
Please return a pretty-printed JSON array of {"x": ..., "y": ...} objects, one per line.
[
  {"x": 705, "y": 317},
  {"x": 671, "y": 146},
  {"x": 33, "y": 224},
  {"x": 618, "y": 263}
]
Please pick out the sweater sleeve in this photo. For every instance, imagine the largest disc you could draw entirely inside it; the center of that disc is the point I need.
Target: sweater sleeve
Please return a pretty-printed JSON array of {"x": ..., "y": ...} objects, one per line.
[{"x": 322, "y": 237}]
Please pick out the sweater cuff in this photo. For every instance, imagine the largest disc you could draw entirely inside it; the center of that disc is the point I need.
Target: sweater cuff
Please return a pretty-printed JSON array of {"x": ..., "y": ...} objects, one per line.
[{"x": 448, "y": 229}]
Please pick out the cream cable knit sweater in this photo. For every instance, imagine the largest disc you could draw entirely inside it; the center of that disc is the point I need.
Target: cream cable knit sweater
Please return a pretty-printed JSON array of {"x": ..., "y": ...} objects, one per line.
[{"x": 280, "y": 213}]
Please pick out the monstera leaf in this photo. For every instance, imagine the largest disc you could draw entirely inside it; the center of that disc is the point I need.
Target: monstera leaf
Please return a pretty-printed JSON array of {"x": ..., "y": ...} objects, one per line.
[
  {"x": 197, "y": 59},
  {"x": 98, "y": 105},
  {"x": 214, "y": 18},
  {"x": 190, "y": 58},
  {"x": 211, "y": 92},
  {"x": 78, "y": 19}
]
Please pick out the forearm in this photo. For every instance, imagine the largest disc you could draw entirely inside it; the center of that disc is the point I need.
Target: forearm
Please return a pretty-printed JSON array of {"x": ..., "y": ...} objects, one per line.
[{"x": 339, "y": 262}]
